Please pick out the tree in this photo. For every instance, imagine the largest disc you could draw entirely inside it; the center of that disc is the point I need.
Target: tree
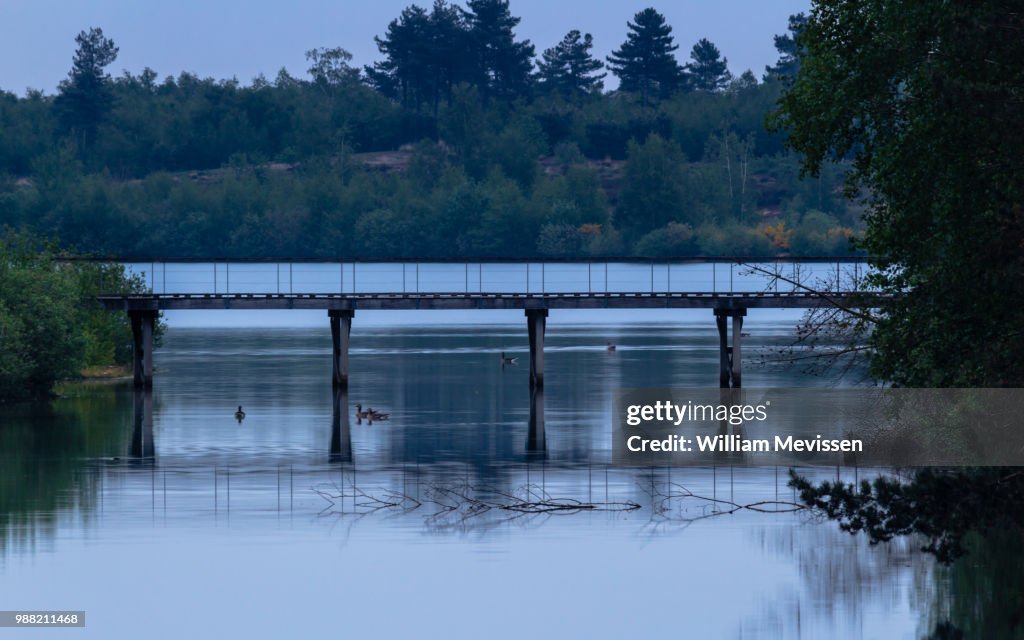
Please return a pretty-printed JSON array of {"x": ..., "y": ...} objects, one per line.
[
  {"x": 330, "y": 68},
  {"x": 423, "y": 56},
  {"x": 85, "y": 96},
  {"x": 503, "y": 66},
  {"x": 406, "y": 48},
  {"x": 925, "y": 99},
  {"x": 708, "y": 71},
  {"x": 645, "y": 62},
  {"x": 653, "y": 194},
  {"x": 569, "y": 69},
  {"x": 789, "y": 51}
]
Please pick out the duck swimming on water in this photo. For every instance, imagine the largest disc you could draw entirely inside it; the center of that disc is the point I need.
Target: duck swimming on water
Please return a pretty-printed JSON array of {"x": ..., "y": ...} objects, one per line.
[
  {"x": 507, "y": 360},
  {"x": 239, "y": 415}
]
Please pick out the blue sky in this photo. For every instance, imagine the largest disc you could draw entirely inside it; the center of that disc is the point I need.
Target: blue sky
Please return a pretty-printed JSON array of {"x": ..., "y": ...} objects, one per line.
[{"x": 235, "y": 38}]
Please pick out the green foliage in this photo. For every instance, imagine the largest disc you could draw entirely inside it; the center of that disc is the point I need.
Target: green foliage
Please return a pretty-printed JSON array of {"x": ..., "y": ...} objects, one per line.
[
  {"x": 785, "y": 69},
  {"x": 924, "y": 98},
  {"x": 50, "y": 324},
  {"x": 501, "y": 66},
  {"x": 653, "y": 194},
  {"x": 194, "y": 166},
  {"x": 85, "y": 96},
  {"x": 673, "y": 239},
  {"x": 569, "y": 69},
  {"x": 645, "y": 62},
  {"x": 708, "y": 70}
]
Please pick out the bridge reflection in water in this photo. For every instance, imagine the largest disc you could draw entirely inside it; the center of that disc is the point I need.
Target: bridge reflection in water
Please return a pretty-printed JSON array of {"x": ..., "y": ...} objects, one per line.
[{"x": 143, "y": 443}]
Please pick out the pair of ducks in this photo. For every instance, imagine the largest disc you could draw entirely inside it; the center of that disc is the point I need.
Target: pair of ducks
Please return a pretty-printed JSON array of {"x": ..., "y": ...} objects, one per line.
[
  {"x": 509, "y": 360},
  {"x": 370, "y": 414}
]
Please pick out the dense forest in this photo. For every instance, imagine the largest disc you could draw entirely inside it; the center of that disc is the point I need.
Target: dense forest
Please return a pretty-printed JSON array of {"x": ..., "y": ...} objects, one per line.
[{"x": 461, "y": 141}]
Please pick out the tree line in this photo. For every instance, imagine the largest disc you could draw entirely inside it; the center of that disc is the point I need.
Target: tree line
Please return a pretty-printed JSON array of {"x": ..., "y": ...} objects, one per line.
[
  {"x": 51, "y": 327},
  {"x": 486, "y": 147}
]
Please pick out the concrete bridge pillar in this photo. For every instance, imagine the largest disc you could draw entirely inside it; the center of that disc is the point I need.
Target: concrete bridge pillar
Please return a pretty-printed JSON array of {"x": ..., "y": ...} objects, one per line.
[
  {"x": 341, "y": 328},
  {"x": 536, "y": 322},
  {"x": 730, "y": 357},
  {"x": 143, "y": 327}
]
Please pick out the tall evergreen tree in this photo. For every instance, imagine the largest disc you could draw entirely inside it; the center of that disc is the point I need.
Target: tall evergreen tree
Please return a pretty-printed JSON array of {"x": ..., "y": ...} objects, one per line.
[
  {"x": 789, "y": 51},
  {"x": 85, "y": 96},
  {"x": 503, "y": 65},
  {"x": 449, "y": 39},
  {"x": 423, "y": 56},
  {"x": 406, "y": 48},
  {"x": 569, "y": 69},
  {"x": 708, "y": 71},
  {"x": 645, "y": 62}
]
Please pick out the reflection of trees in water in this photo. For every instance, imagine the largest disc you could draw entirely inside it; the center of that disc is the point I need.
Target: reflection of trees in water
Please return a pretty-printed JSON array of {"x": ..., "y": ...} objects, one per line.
[
  {"x": 842, "y": 575},
  {"x": 982, "y": 594},
  {"x": 44, "y": 455}
]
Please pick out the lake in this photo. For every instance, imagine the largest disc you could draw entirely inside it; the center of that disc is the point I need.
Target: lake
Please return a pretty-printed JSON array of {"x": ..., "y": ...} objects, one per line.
[{"x": 162, "y": 516}]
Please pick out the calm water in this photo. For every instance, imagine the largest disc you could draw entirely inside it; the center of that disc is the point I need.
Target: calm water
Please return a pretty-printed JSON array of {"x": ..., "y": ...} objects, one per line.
[{"x": 163, "y": 517}]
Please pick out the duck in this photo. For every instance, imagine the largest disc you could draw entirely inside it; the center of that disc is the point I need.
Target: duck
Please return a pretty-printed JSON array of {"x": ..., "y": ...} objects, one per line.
[
  {"x": 377, "y": 415},
  {"x": 239, "y": 415},
  {"x": 611, "y": 346},
  {"x": 360, "y": 414},
  {"x": 506, "y": 360}
]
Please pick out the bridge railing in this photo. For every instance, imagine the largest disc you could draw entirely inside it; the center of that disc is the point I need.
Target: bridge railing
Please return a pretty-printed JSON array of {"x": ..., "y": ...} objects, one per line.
[{"x": 709, "y": 275}]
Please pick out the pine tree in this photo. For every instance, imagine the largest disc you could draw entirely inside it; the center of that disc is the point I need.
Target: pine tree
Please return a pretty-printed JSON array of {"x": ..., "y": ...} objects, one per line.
[
  {"x": 569, "y": 69},
  {"x": 708, "y": 71},
  {"x": 503, "y": 65},
  {"x": 85, "y": 96},
  {"x": 645, "y": 62},
  {"x": 406, "y": 49},
  {"x": 423, "y": 56},
  {"x": 789, "y": 51}
]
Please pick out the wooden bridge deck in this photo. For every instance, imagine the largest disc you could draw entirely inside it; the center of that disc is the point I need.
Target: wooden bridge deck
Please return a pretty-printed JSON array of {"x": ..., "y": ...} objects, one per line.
[{"x": 462, "y": 300}]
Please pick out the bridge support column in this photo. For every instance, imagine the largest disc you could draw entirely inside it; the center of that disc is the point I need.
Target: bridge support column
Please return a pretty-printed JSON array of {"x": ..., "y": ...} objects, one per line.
[
  {"x": 341, "y": 328},
  {"x": 143, "y": 327},
  {"x": 536, "y": 322},
  {"x": 730, "y": 358}
]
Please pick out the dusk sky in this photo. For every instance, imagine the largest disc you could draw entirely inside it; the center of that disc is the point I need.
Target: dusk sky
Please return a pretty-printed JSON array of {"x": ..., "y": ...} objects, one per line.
[{"x": 242, "y": 39}]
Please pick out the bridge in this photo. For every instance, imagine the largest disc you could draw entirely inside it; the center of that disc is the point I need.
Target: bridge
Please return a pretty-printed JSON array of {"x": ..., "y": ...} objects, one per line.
[{"x": 629, "y": 283}]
